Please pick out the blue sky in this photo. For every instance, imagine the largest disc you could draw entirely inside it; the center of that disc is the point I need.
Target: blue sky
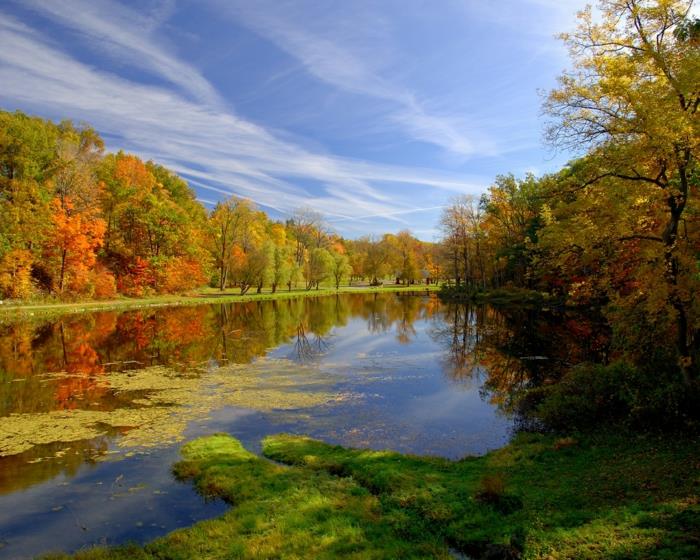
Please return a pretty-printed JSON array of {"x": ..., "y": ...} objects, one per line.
[{"x": 372, "y": 113}]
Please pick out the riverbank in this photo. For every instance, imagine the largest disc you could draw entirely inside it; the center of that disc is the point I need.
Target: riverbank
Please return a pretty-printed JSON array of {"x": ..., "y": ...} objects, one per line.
[
  {"x": 204, "y": 296},
  {"x": 498, "y": 296},
  {"x": 604, "y": 496}
]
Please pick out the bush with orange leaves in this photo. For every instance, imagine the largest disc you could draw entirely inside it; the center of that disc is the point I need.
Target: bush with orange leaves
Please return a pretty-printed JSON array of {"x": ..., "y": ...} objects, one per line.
[
  {"x": 138, "y": 280},
  {"x": 180, "y": 274},
  {"x": 103, "y": 283}
]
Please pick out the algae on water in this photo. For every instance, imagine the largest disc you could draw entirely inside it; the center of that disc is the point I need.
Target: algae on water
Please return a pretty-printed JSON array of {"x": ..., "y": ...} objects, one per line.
[{"x": 159, "y": 403}]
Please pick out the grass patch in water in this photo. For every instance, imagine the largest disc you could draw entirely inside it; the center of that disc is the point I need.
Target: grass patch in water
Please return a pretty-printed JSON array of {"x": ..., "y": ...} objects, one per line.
[{"x": 608, "y": 496}]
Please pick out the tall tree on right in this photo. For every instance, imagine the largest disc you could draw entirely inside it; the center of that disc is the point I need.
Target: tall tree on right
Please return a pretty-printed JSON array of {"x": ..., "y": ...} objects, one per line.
[{"x": 632, "y": 99}]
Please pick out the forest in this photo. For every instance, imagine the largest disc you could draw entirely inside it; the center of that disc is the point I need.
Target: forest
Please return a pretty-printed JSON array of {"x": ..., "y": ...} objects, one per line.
[
  {"x": 617, "y": 229},
  {"x": 79, "y": 223}
]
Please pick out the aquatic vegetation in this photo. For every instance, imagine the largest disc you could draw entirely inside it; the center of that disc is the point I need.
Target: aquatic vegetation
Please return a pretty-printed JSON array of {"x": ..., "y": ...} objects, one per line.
[
  {"x": 158, "y": 403},
  {"x": 610, "y": 496}
]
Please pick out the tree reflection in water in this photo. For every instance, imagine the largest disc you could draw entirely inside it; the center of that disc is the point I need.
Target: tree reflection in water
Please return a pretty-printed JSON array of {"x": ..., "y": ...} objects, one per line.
[{"x": 508, "y": 349}]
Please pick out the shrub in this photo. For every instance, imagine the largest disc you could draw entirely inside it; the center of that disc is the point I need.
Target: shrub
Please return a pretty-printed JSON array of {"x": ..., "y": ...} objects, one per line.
[
  {"x": 180, "y": 274},
  {"x": 492, "y": 487},
  {"x": 492, "y": 491},
  {"x": 214, "y": 279},
  {"x": 138, "y": 279},
  {"x": 104, "y": 283},
  {"x": 592, "y": 395}
]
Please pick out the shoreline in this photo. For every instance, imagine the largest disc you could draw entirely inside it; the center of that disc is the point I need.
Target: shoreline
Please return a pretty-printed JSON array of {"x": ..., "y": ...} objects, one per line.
[
  {"x": 42, "y": 310},
  {"x": 594, "y": 496}
]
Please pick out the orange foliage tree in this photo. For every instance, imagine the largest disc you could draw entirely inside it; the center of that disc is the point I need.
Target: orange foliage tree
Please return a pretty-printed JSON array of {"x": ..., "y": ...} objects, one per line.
[
  {"x": 179, "y": 274},
  {"x": 138, "y": 279},
  {"x": 70, "y": 251},
  {"x": 103, "y": 282}
]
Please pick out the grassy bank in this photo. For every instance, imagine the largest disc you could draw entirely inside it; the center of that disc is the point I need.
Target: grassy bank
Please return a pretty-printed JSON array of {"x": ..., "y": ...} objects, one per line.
[
  {"x": 497, "y": 296},
  {"x": 204, "y": 296},
  {"x": 608, "y": 496}
]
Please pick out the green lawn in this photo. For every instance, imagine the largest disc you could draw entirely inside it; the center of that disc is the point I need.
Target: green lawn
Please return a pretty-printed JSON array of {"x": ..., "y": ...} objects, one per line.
[
  {"x": 205, "y": 295},
  {"x": 607, "y": 497}
]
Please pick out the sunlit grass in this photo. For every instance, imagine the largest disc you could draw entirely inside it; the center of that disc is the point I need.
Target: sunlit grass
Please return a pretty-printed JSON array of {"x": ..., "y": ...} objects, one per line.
[
  {"x": 608, "y": 496},
  {"x": 50, "y": 308}
]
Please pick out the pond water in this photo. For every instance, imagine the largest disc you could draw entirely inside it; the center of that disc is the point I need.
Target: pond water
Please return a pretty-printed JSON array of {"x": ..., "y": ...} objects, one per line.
[{"x": 94, "y": 407}]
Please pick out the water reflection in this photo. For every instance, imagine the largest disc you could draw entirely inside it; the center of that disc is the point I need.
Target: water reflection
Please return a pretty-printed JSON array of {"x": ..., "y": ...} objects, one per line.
[
  {"x": 506, "y": 348},
  {"x": 509, "y": 349},
  {"x": 181, "y": 337},
  {"x": 84, "y": 397}
]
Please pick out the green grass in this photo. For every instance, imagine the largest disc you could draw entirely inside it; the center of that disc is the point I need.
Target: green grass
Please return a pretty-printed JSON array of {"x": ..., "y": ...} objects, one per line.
[
  {"x": 604, "y": 497},
  {"x": 52, "y": 308},
  {"x": 497, "y": 296}
]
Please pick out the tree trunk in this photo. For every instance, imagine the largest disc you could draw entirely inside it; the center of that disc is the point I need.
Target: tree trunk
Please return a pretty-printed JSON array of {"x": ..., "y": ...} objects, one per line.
[
  {"x": 676, "y": 204},
  {"x": 63, "y": 271}
]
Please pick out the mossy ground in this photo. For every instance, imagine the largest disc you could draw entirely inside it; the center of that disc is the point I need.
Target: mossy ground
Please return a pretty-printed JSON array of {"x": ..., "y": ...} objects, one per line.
[{"x": 609, "y": 496}]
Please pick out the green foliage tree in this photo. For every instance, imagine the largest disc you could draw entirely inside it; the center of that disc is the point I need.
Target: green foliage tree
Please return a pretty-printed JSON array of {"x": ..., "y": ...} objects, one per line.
[
  {"x": 341, "y": 268},
  {"x": 319, "y": 267},
  {"x": 282, "y": 266}
]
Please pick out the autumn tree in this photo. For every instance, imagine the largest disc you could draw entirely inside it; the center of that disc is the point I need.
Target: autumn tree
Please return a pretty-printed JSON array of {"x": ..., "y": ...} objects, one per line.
[
  {"x": 376, "y": 263},
  {"x": 405, "y": 248},
  {"x": 357, "y": 254},
  {"x": 27, "y": 154},
  {"x": 309, "y": 230},
  {"x": 71, "y": 251},
  {"x": 632, "y": 98},
  {"x": 74, "y": 170},
  {"x": 230, "y": 221},
  {"x": 16, "y": 274},
  {"x": 512, "y": 217}
]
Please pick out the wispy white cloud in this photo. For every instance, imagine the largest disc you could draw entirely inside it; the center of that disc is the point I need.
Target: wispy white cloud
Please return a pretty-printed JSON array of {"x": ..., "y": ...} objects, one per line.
[
  {"x": 129, "y": 37},
  {"x": 352, "y": 52},
  {"x": 189, "y": 131},
  {"x": 551, "y": 16},
  {"x": 395, "y": 213}
]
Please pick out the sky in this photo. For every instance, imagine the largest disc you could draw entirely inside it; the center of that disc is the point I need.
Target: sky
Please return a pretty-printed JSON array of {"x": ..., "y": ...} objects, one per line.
[{"x": 374, "y": 114}]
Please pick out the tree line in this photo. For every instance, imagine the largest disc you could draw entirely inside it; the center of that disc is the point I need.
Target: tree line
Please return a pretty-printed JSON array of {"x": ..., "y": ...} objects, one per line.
[{"x": 77, "y": 222}]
